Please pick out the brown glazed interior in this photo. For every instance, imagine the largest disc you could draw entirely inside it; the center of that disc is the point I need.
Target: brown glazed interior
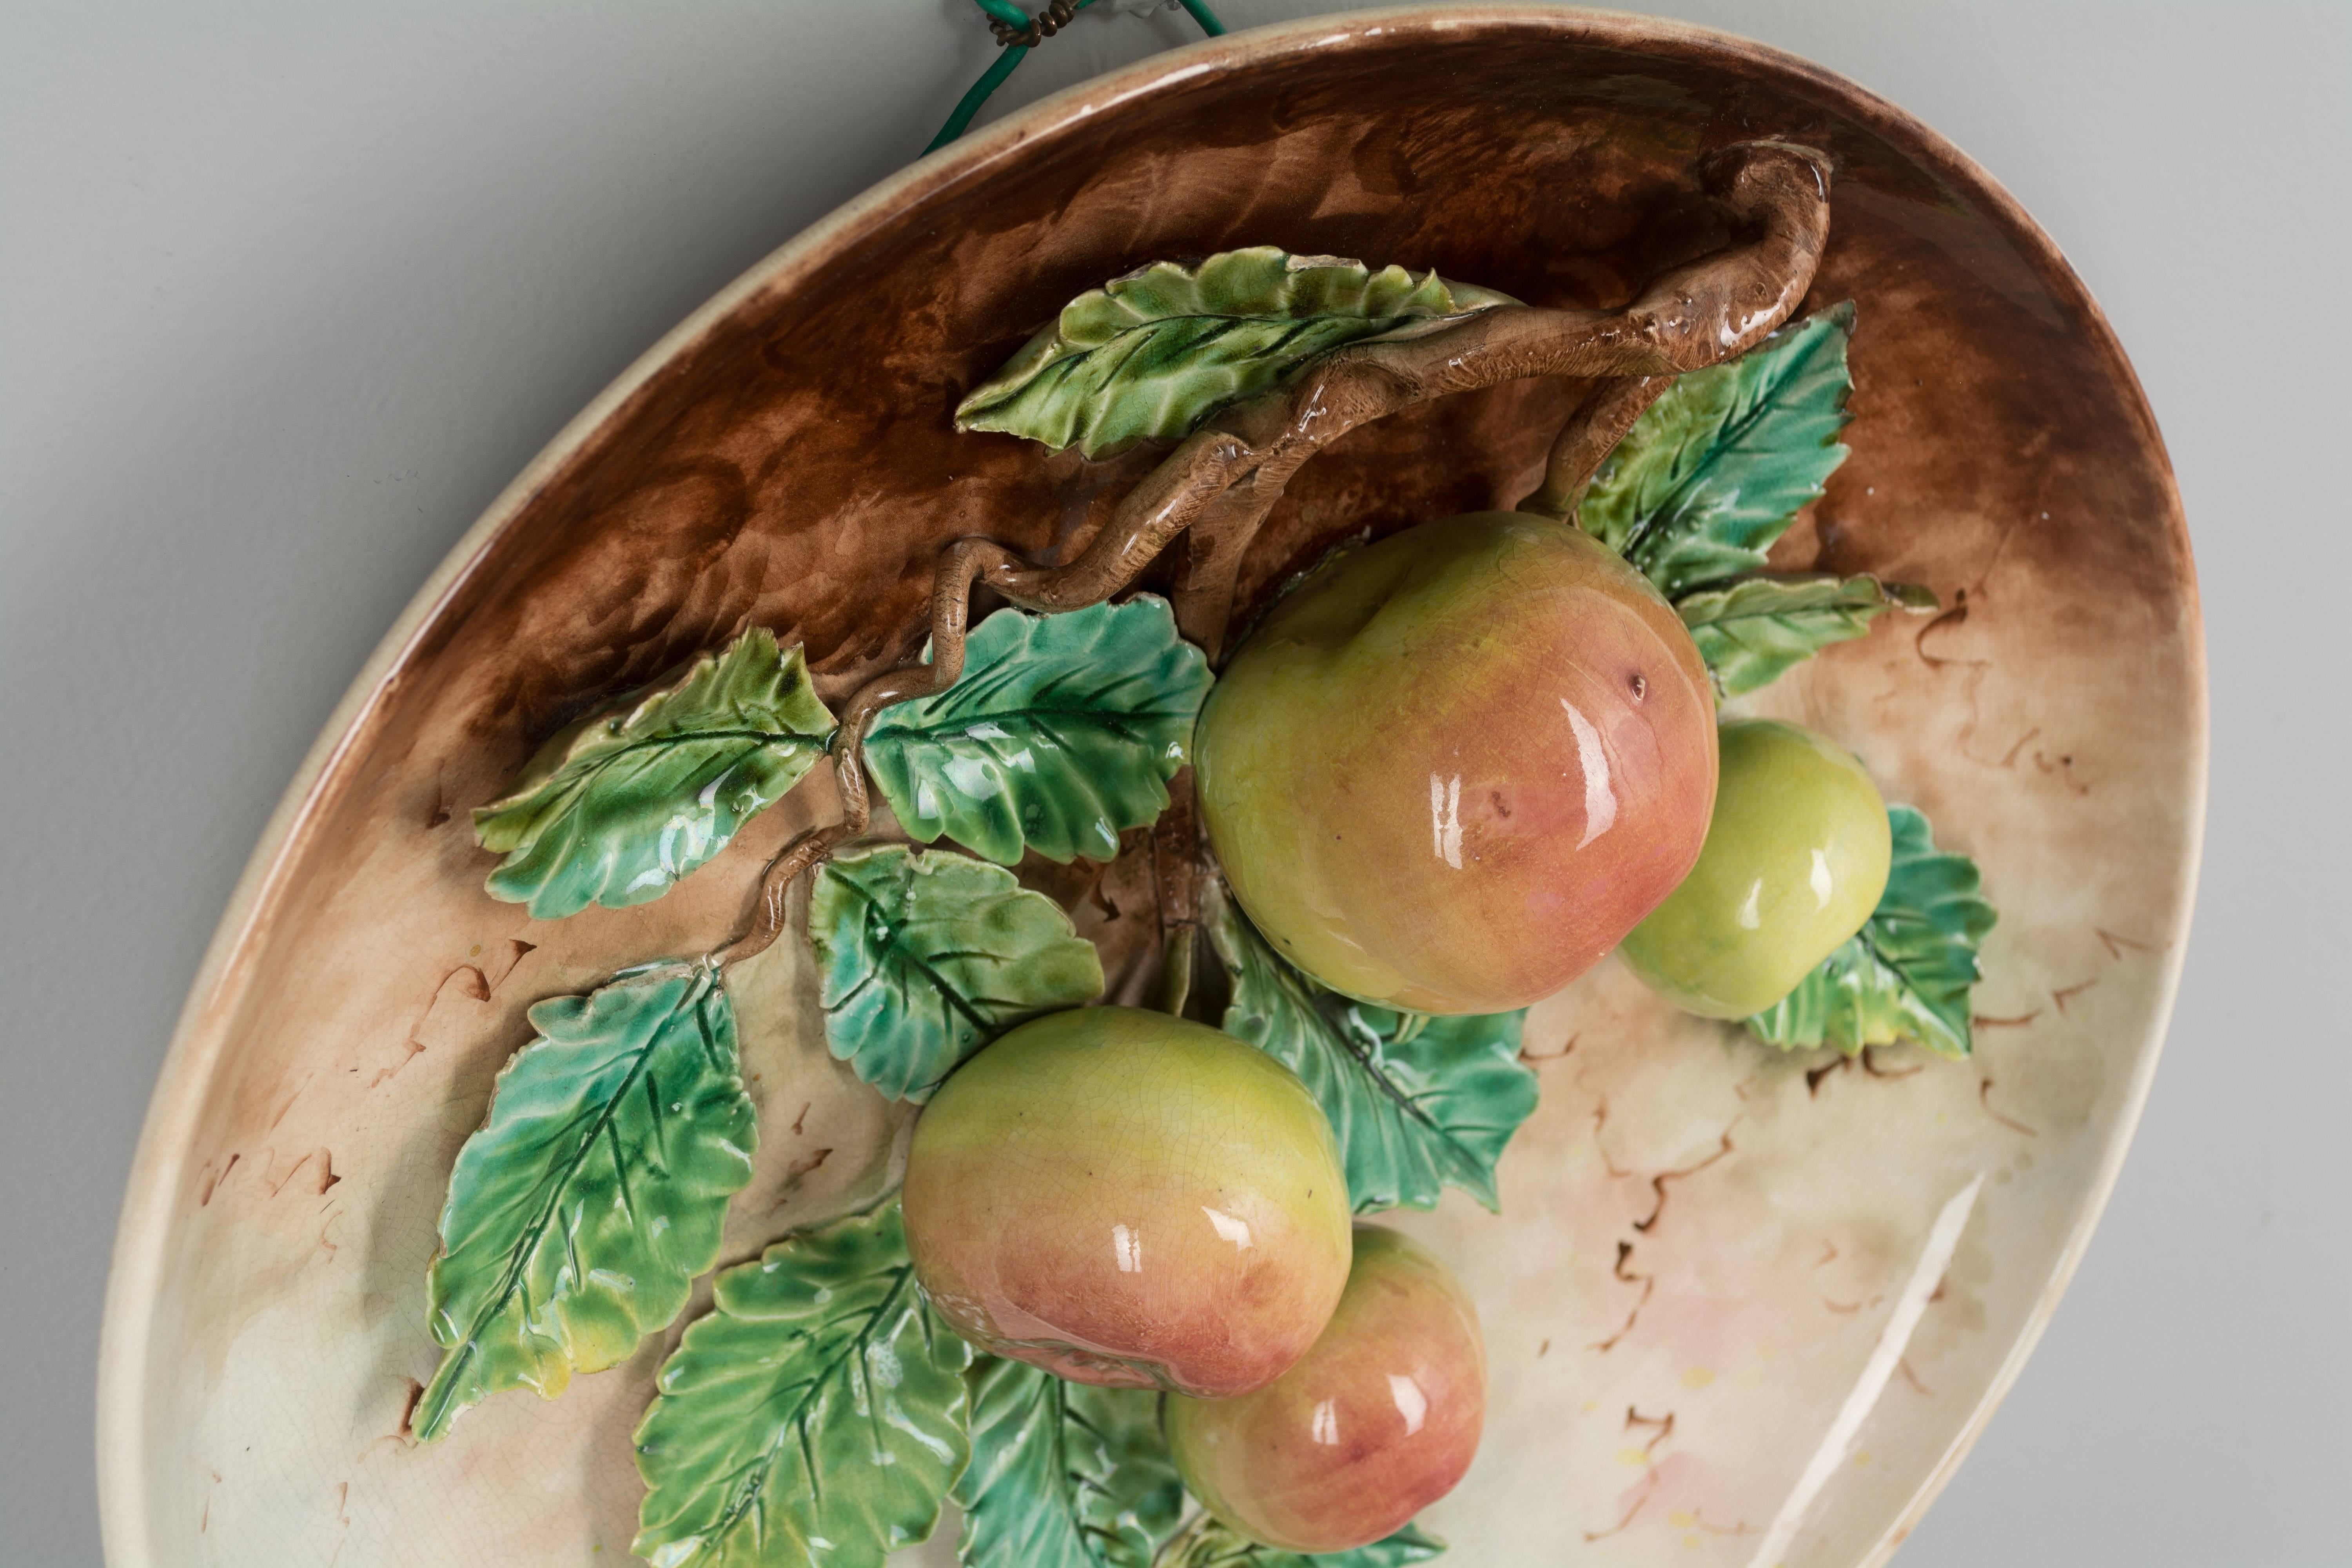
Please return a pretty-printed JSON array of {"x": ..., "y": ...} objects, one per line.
[{"x": 788, "y": 460}]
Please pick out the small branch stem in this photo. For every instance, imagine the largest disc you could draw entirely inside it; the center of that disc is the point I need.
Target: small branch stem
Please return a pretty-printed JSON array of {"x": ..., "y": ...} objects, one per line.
[
  {"x": 1179, "y": 1546},
  {"x": 1176, "y": 968},
  {"x": 1592, "y": 433}
]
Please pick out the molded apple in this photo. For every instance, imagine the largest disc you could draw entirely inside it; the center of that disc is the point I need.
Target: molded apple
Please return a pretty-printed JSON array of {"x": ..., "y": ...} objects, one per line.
[
  {"x": 1378, "y": 1421},
  {"x": 1127, "y": 1198},
  {"x": 1795, "y": 861},
  {"x": 1453, "y": 768}
]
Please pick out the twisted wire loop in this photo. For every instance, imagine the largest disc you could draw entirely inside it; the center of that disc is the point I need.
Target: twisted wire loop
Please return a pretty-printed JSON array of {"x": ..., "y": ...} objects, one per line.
[
  {"x": 1218, "y": 485},
  {"x": 1043, "y": 26}
]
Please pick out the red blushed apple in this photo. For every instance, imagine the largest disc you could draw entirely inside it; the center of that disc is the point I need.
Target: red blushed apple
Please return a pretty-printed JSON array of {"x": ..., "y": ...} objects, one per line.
[
  {"x": 1127, "y": 1198},
  {"x": 1379, "y": 1420},
  {"x": 1452, "y": 769}
]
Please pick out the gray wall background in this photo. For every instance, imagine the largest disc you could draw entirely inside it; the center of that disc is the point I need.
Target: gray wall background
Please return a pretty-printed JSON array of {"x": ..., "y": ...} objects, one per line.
[{"x": 289, "y": 291}]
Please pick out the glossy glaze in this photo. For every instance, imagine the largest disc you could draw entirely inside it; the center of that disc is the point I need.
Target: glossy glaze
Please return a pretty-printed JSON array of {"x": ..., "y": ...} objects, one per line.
[
  {"x": 1693, "y": 1228},
  {"x": 1456, "y": 766},
  {"x": 1796, "y": 856},
  {"x": 1381, "y": 1419},
  {"x": 1129, "y": 1199}
]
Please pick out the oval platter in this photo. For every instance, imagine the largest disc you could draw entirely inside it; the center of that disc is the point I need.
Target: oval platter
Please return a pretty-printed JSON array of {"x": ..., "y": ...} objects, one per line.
[{"x": 1743, "y": 1308}]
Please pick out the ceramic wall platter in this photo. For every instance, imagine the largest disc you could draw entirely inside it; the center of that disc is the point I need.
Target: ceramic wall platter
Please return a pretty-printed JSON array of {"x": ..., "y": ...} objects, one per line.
[{"x": 1743, "y": 1308}]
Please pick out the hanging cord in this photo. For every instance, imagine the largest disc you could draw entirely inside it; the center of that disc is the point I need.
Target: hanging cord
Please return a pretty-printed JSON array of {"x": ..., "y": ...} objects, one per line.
[{"x": 1016, "y": 34}]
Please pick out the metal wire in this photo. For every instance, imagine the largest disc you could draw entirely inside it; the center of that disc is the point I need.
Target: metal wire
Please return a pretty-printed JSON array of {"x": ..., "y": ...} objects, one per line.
[
  {"x": 1043, "y": 26},
  {"x": 1016, "y": 34}
]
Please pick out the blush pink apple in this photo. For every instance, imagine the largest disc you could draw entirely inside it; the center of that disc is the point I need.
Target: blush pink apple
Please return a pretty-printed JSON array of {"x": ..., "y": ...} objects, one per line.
[
  {"x": 1453, "y": 768},
  {"x": 1127, "y": 1198},
  {"x": 1378, "y": 1421}
]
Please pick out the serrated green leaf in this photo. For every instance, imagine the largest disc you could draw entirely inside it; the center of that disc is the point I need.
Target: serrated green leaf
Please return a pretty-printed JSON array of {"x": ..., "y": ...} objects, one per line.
[
  {"x": 618, "y": 806},
  {"x": 816, "y": 1415},
  {"x": 1908, "y": 975},
  {"x": 1152, "y": 355},
  {"x": 1062, "y": 732},
  {"x": 1206, "y": 1543},
  {"x": 1751, "y": 630},
  {"x": 1416, "y": 1103},
  {"x": 580, "y": 1214},
  {"x": 1064, "y": 1475},
  {"x": 924, "y": 958},
  {"x": 1714, "y": 472}
]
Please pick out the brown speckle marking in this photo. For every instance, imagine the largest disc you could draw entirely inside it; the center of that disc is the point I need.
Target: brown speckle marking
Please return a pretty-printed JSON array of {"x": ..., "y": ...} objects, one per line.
[
  {"x": 1658, "y": 1183},
  {"x": 2068, "y": 994},
  {"x": 1648, "y": 1284},
  {"x": 1534, "y": 1058},
  {"x": 1984, "y": 1098},
  {"x": 415, "y": 1051},
  {"x": 212, "y": 1183},
  {"x": 1870, "y": 1065},
  {"x": 1634, "y": 1418},
  {"x": 2009, "y": 759},
  {"x": 796, "y": 1175},
  {"x": 324, "y": 1175},
  {"x": 407, "y": 1432},
  {"x": 516, "y": 951},
  {"x": 1956, "y": 618}
]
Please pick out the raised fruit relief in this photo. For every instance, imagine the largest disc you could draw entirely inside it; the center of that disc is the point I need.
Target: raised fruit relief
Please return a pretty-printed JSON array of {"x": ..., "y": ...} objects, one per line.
[
  {"x": 1378, "y": 1421},
  {"x": 1452, "y": 769},
  {"x": 1443, "y": 777},
  {"x": 1129, "y": 1199},
  {"x": 1796, "y": 858}
]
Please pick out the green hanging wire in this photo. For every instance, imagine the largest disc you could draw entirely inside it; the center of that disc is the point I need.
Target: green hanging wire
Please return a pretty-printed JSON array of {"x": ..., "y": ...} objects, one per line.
[
  {"x": 1199, "y": 11},
  {"x": 969, "y": 105},
  {"x": 1010, "y": 17}
]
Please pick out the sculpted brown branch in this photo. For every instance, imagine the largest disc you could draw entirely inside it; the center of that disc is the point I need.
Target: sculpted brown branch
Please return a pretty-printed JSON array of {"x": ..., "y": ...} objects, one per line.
[{"x": 1217, "y": 486}]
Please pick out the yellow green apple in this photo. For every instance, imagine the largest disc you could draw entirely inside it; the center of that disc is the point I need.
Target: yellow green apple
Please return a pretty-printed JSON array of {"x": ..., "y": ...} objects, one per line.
[{"x": 1796, "y": 858}]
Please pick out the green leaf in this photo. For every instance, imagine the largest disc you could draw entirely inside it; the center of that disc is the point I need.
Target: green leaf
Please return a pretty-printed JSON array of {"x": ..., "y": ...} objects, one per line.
[
  {"x": 1206, "y": 1543},
  {"x": 1152, "y": 355},
  {"x": 1416, "y": 1103},
  {"x": 1716, "y": 470},
  {"x": 1062, "y": 732},
  {"x": 1064, "y": 1475},
  {"x": 580, "y": 1214},
  {"x": 816, "y": 1415},
  {"x": 1751, "y": 630},
  {"x": 1908, "y": 975},
  {"x": 923, "y": 959},
  {"x": 619, "y": 806}
]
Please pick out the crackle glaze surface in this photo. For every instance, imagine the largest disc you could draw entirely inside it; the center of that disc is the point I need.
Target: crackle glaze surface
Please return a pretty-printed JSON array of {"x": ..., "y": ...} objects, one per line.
[{"x": 1741, "y": 1309}]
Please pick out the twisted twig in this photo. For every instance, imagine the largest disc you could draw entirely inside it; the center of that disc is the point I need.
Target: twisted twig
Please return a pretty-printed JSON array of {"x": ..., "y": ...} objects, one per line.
[
  {"x": 1592, "y": 433},
  {"x": 1222, "y": 481}
]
